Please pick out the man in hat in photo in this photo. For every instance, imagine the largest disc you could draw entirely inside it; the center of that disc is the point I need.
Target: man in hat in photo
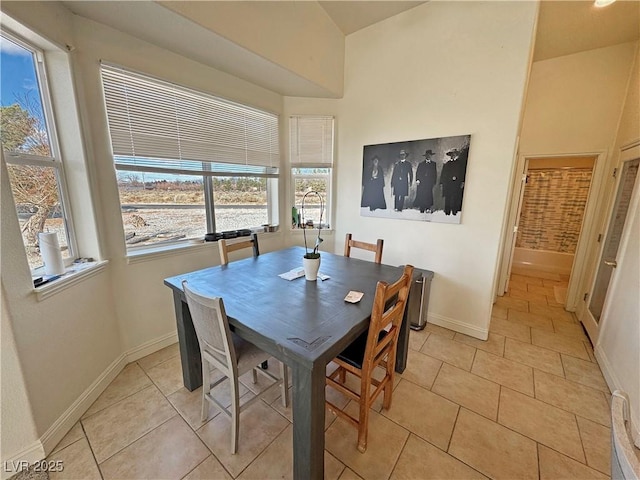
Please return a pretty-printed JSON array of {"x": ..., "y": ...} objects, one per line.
[
  {"x": 425, "y": 180},
  {"x": 400, "y": 180},
  {"x": 452, "y": 181}
]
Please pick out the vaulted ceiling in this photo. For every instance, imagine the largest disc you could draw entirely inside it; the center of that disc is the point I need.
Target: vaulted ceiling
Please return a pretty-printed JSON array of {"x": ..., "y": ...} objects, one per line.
[{"x": 215, "y": 33}]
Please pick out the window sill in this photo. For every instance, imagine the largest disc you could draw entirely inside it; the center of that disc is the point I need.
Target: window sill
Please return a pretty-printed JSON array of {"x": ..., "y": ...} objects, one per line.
[
  {"x": 75, "y": 274},
  {"x": 185, "y": 247},
  {"x": 151, "y": 252},
  {"x": 310, "y": 231}
]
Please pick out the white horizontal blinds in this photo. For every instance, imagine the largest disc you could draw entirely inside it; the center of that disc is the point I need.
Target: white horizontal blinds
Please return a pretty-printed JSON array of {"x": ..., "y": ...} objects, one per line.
[
  {"x": 150, "y": 118},
  {"x": 311, "y": 141}
]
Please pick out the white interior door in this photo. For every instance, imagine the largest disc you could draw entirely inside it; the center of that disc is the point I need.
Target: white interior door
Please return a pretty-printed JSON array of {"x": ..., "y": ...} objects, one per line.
[
  {"x": 510, "y": 236},
  {"x": 607, "y": 262}
]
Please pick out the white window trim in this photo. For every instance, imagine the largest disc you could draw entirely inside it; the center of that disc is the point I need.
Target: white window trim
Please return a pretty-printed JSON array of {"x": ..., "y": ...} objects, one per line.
[
  {"x": 72, "y": 277},
  {"x": 55, "y": 161}
]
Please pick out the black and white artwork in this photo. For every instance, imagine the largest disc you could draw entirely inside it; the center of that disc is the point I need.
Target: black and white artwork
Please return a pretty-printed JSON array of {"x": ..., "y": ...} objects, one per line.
[{"x": 415, "y": 180}]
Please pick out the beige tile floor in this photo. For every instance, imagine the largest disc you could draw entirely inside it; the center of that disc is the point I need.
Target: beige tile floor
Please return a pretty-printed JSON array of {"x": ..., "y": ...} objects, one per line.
[{"x": 528, "y": 403}]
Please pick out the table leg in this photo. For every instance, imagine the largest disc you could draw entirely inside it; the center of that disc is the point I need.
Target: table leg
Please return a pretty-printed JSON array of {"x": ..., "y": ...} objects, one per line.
[
  {"x": 189, "y": 347},
  {"x": 308, "y": 422}
]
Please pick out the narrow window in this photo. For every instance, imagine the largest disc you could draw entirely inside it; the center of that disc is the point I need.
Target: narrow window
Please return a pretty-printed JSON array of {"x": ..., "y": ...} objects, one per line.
[
  {"x": 31, "y": 148},
  {"x": 311, "y": 152}
]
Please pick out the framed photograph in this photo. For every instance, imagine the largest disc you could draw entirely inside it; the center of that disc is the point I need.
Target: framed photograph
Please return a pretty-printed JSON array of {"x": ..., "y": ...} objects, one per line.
[{"x": 415, "y": 180}]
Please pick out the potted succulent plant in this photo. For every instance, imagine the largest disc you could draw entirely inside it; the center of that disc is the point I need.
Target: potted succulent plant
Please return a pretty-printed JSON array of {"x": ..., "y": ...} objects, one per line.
[{"x": 311, "y": 259}]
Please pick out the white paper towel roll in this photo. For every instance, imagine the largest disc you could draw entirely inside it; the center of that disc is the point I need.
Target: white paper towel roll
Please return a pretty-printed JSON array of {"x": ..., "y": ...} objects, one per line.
[{"x": 51, "y": 254}]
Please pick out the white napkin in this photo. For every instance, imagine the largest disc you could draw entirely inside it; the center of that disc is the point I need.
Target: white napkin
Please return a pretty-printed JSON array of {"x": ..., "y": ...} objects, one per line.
[
  {"x": 293, "y": 274},
  {"x": 299, "y": 272},
  {"x": 353, "y": 296}
]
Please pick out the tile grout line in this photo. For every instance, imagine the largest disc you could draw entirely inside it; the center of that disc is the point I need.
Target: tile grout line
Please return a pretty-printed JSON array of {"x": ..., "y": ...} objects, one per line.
[
  {"x": 118, "y": 401},
  {"x": 136, "y": 439},
  {"x": 91, "y": 450},
  {"x": 395, "y": 465}
]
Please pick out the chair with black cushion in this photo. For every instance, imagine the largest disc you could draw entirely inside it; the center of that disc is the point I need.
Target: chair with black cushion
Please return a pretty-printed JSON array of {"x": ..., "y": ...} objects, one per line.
[
  {"x": 226, "y": 247},
  {"x": 231, "y": 355},
  {"x": 349, "y": 243},
  {"x": 374, "y": 349}
]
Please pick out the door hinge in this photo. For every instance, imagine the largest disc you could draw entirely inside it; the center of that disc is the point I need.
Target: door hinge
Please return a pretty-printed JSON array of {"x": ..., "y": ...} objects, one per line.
[
  {"x": 615, "y": 172},
  {"x": 586, "y": 295},
  {"x": 524, "y": 177},
  {"x": 599, "y": 237}
]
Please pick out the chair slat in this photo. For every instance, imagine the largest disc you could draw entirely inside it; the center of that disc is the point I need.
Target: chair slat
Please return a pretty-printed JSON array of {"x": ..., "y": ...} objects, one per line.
[{"x": 349, "y": 243}]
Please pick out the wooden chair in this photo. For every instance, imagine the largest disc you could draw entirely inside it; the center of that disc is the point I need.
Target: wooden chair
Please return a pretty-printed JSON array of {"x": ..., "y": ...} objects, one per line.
[
  {"x": 229, "y": 354},
  {"x": 375, "y": 348},
  {"x": 225, "y": 247},
  {"x": 349, "y": 243}
]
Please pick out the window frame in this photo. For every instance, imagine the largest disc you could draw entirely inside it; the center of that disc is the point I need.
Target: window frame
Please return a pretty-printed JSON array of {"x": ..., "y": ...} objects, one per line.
[
  {"x": 54, "y": 161},
  {"x": 327, "y": 222},
  {"x": 209, "y": 202}
]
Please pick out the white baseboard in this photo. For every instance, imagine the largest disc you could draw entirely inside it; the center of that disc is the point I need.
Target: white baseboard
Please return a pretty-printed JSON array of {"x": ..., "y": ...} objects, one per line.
[
  {"x": 614, "y": 384},
  {"x": 458, "y": 326},
  {"x": 22, "y": 460},
  {"x": 68, "y": 419},
  {"x": 151, "y": 346}
]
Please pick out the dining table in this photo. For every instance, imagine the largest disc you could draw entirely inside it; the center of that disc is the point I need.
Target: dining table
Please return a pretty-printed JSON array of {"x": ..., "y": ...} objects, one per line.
[{"x": 304, "y": 324}]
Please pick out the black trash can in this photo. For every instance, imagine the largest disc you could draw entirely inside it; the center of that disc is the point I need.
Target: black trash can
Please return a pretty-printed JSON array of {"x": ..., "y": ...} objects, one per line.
[{"x": 418, "y": 303}]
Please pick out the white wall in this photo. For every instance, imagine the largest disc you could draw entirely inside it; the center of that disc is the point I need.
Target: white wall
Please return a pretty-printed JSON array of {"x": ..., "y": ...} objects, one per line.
[
  {"x": 441, "y": 69},
  {"x": 574, "y": 102},
  {"x": 18, "y": 437}
]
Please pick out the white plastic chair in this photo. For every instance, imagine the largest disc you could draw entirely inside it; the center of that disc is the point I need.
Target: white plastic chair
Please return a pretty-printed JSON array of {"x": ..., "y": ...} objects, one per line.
[{"x": 230, "y": 354}]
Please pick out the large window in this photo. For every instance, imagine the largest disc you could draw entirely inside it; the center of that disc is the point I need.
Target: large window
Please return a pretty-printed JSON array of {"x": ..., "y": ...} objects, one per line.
[
  {"x": 188, "y": 163},
  {"x": 31, "y": 149},
  {"x": 311, "y": 152}
]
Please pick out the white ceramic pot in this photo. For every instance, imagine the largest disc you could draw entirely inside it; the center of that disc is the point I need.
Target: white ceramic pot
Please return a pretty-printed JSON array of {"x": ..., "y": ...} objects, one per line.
[{"x": 311, "y": 267}]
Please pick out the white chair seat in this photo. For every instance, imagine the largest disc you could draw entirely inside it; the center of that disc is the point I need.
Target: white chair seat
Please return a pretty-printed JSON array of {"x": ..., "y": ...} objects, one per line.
[{"x": 247, "y": 354}]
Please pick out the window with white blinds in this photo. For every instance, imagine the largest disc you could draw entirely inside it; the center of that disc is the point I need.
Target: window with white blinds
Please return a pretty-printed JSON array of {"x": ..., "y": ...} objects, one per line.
[
  {"x": 188, "y": 163},
  {"x": 311, "y": 154},
  {"x": 311, "y": 141},
  {"x": 152, "y": 119}
]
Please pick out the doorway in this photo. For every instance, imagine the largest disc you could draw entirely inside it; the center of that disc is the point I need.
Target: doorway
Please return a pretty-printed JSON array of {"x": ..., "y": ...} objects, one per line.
[
  {"x": 549, "y": 220},
  {"x": 607, "y": 263}
]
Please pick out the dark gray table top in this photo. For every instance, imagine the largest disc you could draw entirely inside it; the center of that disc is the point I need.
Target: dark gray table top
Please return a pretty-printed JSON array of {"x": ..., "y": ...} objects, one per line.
[{"x": 306, "y": 321}]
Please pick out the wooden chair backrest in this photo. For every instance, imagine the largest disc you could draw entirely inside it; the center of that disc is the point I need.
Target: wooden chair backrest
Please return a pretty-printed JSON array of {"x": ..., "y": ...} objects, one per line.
[
  {"x": 349, "y": 243},
  {"x": 387, "y": 315},
  {"x": 225, "y": 247}
]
